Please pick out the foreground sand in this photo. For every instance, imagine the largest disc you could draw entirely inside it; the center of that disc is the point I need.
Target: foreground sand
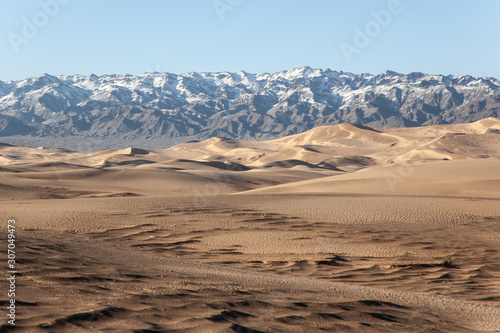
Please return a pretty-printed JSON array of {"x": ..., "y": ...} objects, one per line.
[{"x": 341, "y": 228}]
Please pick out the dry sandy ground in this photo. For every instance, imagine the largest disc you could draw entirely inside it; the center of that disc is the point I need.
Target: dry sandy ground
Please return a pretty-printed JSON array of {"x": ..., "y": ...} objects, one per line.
[{"x": 341, "y": 228}]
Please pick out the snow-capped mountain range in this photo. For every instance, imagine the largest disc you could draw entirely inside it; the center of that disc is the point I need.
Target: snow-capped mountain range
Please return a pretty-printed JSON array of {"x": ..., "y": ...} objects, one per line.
[{"x": 169, "y": 108}]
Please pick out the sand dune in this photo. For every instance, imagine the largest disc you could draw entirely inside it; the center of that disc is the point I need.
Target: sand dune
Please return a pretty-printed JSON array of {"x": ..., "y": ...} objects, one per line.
[
  {"x": 477, "y": 178},
  {"x": 341, "y": 228}
]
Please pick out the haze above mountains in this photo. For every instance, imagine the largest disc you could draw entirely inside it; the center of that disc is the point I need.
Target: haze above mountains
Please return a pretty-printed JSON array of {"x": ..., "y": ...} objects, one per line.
[{"x": 158, "y": 110}]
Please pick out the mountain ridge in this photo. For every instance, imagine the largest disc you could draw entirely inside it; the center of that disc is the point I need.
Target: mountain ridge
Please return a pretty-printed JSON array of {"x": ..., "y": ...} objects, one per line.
[{"x": 165, "y": 109}]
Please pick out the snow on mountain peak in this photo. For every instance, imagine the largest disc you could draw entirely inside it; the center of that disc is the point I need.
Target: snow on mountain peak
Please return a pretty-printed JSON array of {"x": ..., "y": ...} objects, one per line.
[{"x": 240, "y": 104}]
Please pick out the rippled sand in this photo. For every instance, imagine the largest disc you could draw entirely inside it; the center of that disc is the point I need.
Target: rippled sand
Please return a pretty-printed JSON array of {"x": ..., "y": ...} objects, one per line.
[{"x": 342, "y": 228}]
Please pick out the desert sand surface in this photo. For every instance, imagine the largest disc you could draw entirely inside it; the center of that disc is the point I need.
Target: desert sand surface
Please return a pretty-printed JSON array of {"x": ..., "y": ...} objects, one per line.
[{"x": 342, "y": 228}]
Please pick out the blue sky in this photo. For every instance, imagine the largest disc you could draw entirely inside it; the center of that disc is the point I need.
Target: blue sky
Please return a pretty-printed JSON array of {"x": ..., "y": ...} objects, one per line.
[{"x": 125, "y": 36}]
